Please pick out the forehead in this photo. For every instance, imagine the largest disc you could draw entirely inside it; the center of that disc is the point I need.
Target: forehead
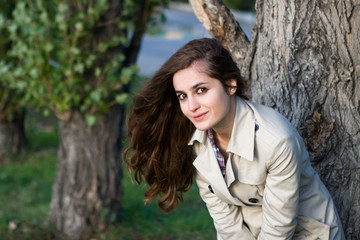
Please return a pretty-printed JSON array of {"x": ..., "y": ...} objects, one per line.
[{"x": 191, "y": 76}]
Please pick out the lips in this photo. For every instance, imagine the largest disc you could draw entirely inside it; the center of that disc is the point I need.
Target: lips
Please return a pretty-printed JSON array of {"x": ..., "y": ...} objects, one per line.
[{"x": 200, "y": 116}]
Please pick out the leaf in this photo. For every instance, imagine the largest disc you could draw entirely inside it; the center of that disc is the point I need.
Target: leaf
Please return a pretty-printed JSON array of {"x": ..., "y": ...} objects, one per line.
[
  {"x": 103, "y": 47},
  {"x": 34, "y": 73},
  {"x": 122, "y": 98},
  {"x": 97, "y": 72},
  {"x": 79, "y": 68},
  {"x": 48, "y": 46},
  {"x": 2, "y": 21},
  {"x": 90, "y": 60},
  {"x": 90, "y": 119},
  {"x": 126, "y": 75},
  {"x": 46, "y": 112},
  {"x": 87, "y": 87},
  {"x": 75, "y": 50},
  {"x": 63, "y": 7},
  {"x": 79, "y": 26},
  {"x": 95, "y": 95}
]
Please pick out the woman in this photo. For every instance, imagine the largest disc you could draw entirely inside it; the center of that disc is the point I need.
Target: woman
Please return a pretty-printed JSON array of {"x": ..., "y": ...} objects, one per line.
[{"x": 251, "y": 165}]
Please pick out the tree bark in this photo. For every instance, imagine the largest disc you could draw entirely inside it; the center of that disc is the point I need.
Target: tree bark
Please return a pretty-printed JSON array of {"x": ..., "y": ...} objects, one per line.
[
  {"x": 88, "y": 179},
  {"x": 87, "y": 191},
  {"x": 304, "y": 62},
  {"x": 12, "y": 136},
  {"x": 220, "y": 23}
]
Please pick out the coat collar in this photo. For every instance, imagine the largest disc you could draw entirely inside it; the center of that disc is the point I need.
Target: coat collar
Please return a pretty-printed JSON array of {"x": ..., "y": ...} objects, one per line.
[{"x": 243, "y": 132}]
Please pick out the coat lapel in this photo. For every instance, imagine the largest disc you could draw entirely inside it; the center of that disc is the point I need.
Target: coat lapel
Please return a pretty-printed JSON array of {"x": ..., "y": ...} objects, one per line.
[{"x": 242, "y": 139}]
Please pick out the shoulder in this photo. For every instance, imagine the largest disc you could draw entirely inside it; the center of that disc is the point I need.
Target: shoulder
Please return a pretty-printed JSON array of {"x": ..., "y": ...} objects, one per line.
[
  {"x": 274, "y": 132},
  {"x": 272, "y": 123}
]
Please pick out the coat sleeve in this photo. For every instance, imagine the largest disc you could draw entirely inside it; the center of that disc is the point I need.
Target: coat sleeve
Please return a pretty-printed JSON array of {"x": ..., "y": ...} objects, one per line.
[
  {"x": 281, "y": 193},
  {"x": 228, "y": 219}
]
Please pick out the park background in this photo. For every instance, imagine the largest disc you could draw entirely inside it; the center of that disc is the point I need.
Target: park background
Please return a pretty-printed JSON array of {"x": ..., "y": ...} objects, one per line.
[{"x": 26, "y": 179}]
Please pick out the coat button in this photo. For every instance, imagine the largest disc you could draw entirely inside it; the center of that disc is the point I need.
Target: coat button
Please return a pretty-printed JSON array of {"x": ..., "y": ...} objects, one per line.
[
  {"x": 253, "y": 200},
  {"x": 210, "y": 188},
  {"x": 256, "y": 127}
]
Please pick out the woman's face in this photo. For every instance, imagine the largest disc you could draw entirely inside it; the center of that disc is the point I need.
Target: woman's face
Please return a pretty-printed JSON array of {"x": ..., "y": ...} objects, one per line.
[{"x": 203, "y": 100}]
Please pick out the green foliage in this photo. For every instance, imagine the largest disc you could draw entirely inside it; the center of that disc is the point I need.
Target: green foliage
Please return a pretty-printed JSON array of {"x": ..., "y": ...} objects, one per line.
[
  {"x": 57, "y": 61},
  {"x": 10, "y": 99}
]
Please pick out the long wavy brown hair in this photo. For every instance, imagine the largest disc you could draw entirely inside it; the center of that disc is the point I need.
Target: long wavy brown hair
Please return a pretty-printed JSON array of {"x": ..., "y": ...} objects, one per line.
[{"x": 159, "y": 132}]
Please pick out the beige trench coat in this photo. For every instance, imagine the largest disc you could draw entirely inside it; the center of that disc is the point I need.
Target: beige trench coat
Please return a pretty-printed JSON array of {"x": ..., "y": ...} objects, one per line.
[{"x": 270, "y": 190}]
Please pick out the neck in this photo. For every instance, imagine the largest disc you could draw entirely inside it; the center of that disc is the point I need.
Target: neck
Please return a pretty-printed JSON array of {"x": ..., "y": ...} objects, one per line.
[{"x": 222, "y": 133}]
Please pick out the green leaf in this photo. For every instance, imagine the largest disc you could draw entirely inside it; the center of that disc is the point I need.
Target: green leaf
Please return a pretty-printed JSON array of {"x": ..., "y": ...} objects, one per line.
[
  {"x": 79, "y": 68},
  {"x": 95, "y": 95},
  {"x": 122, "y": 98},
  {"x": 87, "y": 87},
  {"x": 4, "y": 68},
  {"x": 67, "y": 72},
  {"x": 46, "y": 112},
  {"x": 34, "y": 73},
  {"x": 59, "y": 18},
  {"x": 48, "y": 47},
  {"x": 2, "y": 21},
  {"x": 63, "y": 7},
  {"x": 79, "y": 26},
  {"x": 90, "y": 60},
  {"x": 90, "y": 119},
  {"x": 102, "y": 47},
  {"x": 21, "y": 85},
  {"x": 75, "y": 50},
  {"x": 127, "y": 75},
  {"x": 44, "y": 17},
  {"x": 12, "y": 28},
  {"x": 97, "y": 72}
]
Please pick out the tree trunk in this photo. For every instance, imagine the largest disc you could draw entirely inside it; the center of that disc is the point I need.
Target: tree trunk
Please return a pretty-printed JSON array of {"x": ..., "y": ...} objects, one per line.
[
  {"x": 12, "y": 136},
  {"x": 88, "y": 179},
  {"x": 304, "y": 61}
]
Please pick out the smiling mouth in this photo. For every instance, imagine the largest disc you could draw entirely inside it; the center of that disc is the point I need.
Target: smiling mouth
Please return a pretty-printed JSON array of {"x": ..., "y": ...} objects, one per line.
[{"x": 199, "y": 117}]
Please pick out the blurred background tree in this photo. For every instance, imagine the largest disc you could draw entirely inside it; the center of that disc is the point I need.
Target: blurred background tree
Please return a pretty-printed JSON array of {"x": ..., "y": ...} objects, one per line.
[
  {"x": 76, "y": 59},
  {"x": 12, "y": 112}
]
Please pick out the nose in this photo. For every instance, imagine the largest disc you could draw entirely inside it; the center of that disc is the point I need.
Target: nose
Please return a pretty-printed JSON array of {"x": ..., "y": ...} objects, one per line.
[{"x": 193, "y": 104}]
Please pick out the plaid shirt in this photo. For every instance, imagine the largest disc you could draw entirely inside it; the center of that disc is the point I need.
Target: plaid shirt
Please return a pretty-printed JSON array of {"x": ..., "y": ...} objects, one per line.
[{"x": 219, "y": 156}]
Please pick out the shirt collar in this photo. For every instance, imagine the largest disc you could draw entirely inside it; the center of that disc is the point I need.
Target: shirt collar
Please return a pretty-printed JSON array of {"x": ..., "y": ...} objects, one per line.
[{"x": 243, "y": 133}]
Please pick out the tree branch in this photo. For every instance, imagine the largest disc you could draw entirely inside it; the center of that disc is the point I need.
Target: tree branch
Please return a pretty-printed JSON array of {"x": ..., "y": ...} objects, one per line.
[
  {"x": 140, "y": 23},
  {"x": 222, "y": 25}
]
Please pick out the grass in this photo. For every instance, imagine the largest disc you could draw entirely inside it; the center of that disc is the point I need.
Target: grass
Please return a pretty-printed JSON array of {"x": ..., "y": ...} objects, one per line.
[{"x": 25, "y": 195}]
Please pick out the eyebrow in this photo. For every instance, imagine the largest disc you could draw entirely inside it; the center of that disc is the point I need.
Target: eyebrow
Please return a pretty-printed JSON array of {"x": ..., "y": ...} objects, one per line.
[{"x": 193, "y": 87}]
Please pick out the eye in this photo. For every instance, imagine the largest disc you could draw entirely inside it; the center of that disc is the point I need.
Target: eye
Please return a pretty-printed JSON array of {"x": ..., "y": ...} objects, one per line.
[
  {"x": 181, "y": 96},
  {"x": 201, "y": 90}
]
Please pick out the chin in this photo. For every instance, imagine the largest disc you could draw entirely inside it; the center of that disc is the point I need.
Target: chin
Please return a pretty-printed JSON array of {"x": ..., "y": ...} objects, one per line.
[{"x": 201, "y": 127}]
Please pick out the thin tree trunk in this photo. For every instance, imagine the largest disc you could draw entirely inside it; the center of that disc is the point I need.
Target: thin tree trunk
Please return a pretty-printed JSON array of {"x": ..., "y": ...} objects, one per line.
[
  {"x": 88, "y": 179},
  {"x": 12, "y": 136},
  {"x": 304, "y": 61}
]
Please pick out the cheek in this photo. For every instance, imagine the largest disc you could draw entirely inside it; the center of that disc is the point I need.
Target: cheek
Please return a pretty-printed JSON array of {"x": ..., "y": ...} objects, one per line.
[{"x": 220, "y": 103}]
